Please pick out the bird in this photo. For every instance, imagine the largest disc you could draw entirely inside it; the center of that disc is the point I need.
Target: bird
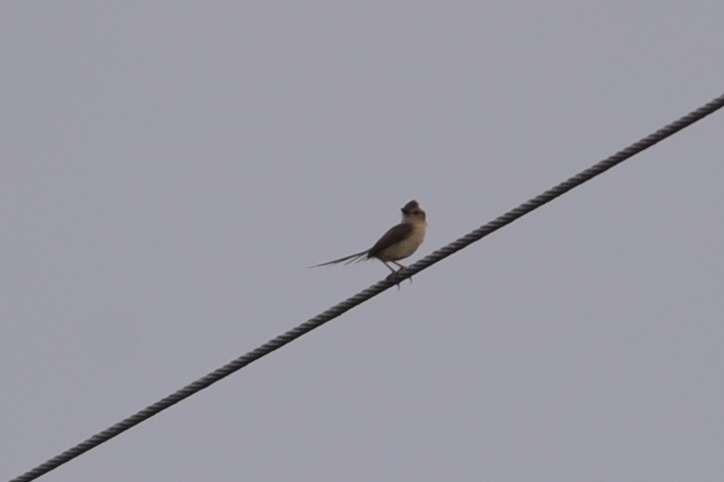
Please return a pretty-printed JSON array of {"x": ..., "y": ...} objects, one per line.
[{"x": 399, "y": 242}]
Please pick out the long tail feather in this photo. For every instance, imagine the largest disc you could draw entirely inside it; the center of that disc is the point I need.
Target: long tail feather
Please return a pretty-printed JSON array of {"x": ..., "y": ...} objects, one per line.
[{"x": 349, "y": 259}]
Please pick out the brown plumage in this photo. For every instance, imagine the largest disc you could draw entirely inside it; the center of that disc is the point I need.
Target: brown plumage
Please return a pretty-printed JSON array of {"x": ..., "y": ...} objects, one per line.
[{"x": 397, "y": 243}]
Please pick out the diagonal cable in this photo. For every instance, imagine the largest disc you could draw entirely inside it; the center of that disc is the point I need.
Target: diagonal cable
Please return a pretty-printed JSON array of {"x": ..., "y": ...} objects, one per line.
[{"x": 373, "y": 290}]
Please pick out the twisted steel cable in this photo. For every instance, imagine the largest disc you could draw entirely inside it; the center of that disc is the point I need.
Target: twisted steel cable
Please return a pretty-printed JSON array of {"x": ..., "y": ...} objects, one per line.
[{"x": 373, "y": 290}]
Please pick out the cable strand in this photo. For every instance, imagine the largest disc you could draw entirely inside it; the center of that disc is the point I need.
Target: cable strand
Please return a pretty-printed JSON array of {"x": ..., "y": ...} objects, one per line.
[{"x": 377, "y": 288}]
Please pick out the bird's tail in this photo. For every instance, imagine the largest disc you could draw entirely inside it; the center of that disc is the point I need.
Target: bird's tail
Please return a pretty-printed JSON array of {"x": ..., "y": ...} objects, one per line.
[{"x": 346, "y": 260}]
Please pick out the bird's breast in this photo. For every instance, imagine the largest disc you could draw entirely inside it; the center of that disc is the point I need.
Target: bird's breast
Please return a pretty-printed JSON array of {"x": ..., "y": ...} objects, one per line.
[{"x": 407, "y": 246}]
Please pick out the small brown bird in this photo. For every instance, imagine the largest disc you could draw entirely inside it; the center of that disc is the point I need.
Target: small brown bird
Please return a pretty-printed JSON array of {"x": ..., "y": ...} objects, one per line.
[{"x": 397, "y": 243}]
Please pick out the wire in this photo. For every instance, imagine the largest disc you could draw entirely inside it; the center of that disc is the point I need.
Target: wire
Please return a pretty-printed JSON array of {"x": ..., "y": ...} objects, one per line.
[{"x": 372, "y": 291}]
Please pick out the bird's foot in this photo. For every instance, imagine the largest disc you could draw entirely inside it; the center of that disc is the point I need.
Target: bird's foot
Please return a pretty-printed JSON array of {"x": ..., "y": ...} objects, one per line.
[
  {"x": 402, "y": 266},
  {"x": 393, "y": 277},
  {"x": 396, "y": 276}
]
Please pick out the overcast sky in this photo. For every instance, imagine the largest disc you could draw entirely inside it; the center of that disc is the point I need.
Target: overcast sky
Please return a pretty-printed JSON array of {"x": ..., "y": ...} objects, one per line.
[{"x": 170, "y": 168}]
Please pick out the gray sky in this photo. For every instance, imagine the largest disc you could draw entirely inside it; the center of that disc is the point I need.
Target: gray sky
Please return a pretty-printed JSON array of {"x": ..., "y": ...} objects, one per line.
[{"x": 169, "y": 169}]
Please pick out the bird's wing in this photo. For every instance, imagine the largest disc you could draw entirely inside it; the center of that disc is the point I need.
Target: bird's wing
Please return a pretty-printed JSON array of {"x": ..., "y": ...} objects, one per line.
[
  {"x": 350, "y": 258},
  {"x": 393, "y": 236}
]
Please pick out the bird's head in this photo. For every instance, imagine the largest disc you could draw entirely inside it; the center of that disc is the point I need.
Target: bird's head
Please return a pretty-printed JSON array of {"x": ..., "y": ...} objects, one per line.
[{"x": 412, "y": 212}]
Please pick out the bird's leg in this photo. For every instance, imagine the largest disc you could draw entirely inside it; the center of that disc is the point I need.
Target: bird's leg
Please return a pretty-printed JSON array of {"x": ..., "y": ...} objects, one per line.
[
  {"x": 389, "y": 267},
  {"x": 393, "y": 272},
  {"x": 402, "y": 266}
]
